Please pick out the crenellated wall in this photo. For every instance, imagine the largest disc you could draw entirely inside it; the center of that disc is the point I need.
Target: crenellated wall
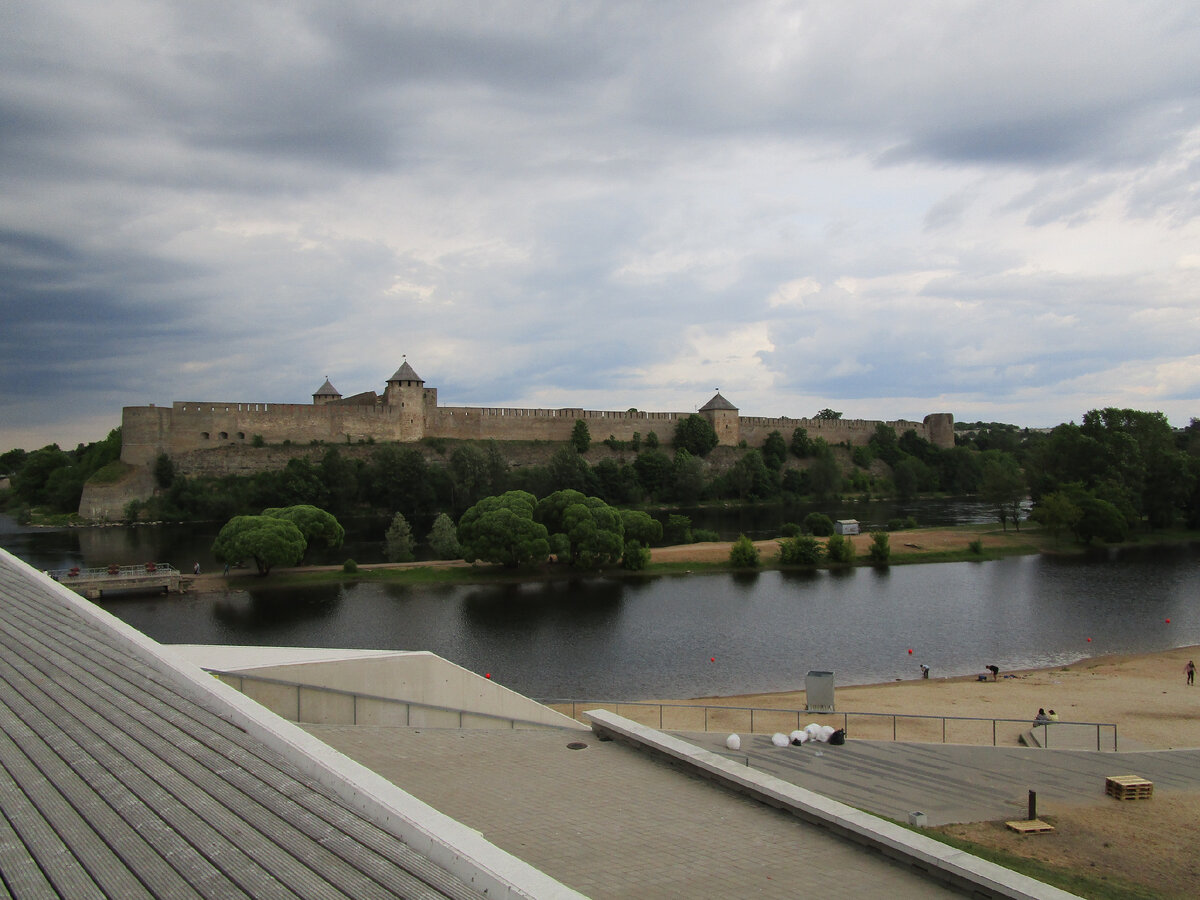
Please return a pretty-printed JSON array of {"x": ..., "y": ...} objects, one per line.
[{"x": 189, "y": 431}]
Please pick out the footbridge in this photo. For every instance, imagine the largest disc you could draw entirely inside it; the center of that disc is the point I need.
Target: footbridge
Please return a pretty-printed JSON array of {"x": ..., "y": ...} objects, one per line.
[{"x": 94, "y": 583}]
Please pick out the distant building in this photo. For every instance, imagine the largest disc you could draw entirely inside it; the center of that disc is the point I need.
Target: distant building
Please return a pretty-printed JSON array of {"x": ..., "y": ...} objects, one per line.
[{"x": 846, "y": 526}]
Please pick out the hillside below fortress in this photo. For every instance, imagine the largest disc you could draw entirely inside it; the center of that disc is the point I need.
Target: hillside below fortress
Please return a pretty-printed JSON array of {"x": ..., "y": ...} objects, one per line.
[{"x": 407, "y": 411}]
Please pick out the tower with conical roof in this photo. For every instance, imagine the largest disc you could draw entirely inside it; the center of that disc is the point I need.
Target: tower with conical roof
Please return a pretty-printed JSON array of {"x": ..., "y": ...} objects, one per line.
[
  {"x": 408, "y": 400},
  {"x": 326, "y": 393},
  {"x": 724, "y": 418}
]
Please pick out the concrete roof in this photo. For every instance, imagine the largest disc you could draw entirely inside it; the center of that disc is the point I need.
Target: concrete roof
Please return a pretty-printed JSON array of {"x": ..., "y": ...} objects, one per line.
[{"x": 127, "y": 772}]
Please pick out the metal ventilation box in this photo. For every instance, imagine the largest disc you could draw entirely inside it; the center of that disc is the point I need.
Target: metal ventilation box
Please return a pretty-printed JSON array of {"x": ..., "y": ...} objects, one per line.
[{"x": 818, "y": 691}]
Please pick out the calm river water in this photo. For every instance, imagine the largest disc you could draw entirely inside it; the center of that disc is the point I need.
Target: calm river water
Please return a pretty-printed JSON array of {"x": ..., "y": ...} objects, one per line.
[{"x": 688, "y": 636}]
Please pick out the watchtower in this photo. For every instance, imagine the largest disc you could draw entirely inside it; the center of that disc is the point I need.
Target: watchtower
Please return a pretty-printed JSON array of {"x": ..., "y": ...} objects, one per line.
[{"x": 724, "y": 418}]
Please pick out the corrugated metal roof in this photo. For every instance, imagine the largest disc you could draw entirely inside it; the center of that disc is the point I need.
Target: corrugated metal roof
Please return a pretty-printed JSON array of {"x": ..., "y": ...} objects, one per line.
[{"x": 114, "y": 782}]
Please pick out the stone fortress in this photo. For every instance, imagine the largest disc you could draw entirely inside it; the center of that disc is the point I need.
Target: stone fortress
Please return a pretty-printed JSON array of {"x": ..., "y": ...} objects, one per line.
[
  {"x": 233, "y": 437},
  {"x": 408, "y": 411}
]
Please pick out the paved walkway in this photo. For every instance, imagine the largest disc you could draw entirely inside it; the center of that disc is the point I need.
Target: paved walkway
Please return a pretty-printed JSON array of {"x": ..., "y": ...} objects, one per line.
[
  {"x": 612, "y": 822},
  {"x": 954, "y": 782}
]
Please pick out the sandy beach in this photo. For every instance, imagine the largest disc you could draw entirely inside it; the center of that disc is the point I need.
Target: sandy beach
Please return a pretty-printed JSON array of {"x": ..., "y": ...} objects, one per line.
[{"x": 1144, "y": 695}]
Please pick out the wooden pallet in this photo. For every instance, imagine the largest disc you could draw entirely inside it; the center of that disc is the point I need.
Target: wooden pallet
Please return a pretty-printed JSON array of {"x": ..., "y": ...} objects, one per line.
[
  {"x": 1030, "y": 826},
  {"x": 1128, "y": 787}
]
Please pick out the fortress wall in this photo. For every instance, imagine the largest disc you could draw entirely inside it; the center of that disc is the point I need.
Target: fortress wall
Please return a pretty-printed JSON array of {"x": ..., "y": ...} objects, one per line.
[
  {"x": 145, "y": 432},
  {"x": 516, "y": 424},
  {"x": 754, "y": 430},
  {"x": 204, "y": 425}
]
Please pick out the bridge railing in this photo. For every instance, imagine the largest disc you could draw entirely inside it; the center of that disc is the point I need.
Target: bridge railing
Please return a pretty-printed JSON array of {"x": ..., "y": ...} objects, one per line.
[
  {"x": 76, "y": 573},
  {"x": 861, "y": 725}
]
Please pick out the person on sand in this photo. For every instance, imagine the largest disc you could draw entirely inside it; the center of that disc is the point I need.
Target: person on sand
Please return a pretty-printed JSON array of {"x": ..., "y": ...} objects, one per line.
[
  {"x": 1052, "y": 716},
  {"x": 1190, "y": 668},
  {"x": 995, "y": 670},
  {"x": 924, "y": 671},
  {"x": 1041, "y": 718}
]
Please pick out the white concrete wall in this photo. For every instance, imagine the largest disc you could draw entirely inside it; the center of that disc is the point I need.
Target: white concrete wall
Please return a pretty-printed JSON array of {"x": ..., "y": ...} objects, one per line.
[{"x": 414, "y": 676}]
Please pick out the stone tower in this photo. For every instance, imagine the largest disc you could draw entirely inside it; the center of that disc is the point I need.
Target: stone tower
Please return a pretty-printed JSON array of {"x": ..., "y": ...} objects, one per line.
[
  {"x": 405, "y": 400},
  {"x": 724, "y": 418}
]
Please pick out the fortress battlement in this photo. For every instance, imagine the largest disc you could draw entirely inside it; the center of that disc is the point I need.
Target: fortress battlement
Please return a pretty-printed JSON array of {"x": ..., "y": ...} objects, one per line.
[{"x": 408, "y": 411}]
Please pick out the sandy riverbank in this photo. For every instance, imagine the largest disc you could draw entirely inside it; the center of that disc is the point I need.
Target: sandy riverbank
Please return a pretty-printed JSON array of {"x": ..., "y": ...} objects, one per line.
[{"x": 1144, "y": 695}]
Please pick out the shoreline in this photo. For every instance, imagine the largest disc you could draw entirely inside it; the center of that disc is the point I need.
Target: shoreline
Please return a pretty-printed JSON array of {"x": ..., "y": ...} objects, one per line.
[{"x": 1144, "y": 694}]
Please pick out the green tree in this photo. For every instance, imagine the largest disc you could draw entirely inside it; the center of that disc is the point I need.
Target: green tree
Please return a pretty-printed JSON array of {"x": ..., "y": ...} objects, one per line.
[
  {"x": 267, "y": 540},
  {"x": 1100, "y": 519},
  {"x": 801, "y": 446},
  {"x": 1002, "y": 486},
  {"x": 687, "y": 477},
  {"x": 398, "y": 478},
  {"x": 653, "y": 468},
  {"x": 569, "y": 471},
  {"x": 825, "y": 476},
  {"x": 774, "y": 451},
  {"x": 581, "y": 437},
  {"x": 695, "y": 434},
  {"x": 828, "y": 413},
  {"x": 641, "y": 527},
  {"x": 502, "y": 530},
  {"x": 594, "y": 532},
  {"x": 470, "y": 476},
  {"x": 885, "y": 445},
  {"x": 443, "y": 538},
  {"x": 800, "y": 550},
  {"x": 164, "y": 471},
  {"x": 320, "y": 528},
  {"x": 743, "y": 554},
  {"x": 398, "y": 541},
  {"x": 839, "y": 549},
  {"x": 880, "y": 549},
  {"x": 819, "y": 524},
  {"x": 1055, "y": 512},
  {"x": 636, "y": 556},
  {"x": 678, "y": 529}
]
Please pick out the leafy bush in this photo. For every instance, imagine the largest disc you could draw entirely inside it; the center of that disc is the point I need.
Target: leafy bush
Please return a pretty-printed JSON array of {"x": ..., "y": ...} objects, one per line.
[
  {"x": 976, "y": 546},
  {"x": 819, "y": 524},
  {"x": 636, "y": 556},
  {"x": 744, "y": 554},
  {"x": 350, "y": 567},
  {"x": 789, "y": 529},
  {"x": 895, "y": 524},
  {"x": 800, "y": 550},
  {"x": 839, "y": 549},
  {"x": 700, "y": 535}
]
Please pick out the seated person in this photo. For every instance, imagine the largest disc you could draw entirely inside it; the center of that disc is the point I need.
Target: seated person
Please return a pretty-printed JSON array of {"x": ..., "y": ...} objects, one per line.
[{"x": 1041, "y": 718}]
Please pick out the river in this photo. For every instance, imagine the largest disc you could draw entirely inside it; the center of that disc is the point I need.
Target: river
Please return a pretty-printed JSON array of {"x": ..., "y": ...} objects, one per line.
[{"x": 640, "y": 637}]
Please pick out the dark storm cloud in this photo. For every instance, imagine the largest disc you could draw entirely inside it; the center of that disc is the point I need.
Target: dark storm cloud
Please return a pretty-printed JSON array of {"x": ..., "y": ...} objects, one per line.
[{"x": 544, "y": 201}]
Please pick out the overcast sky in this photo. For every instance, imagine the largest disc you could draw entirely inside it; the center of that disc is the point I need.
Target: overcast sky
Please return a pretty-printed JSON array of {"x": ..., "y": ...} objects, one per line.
[{"x": 989, "y": 209}]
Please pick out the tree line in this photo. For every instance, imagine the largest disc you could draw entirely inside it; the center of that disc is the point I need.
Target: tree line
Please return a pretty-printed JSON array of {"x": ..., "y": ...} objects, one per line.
[{"x": 1117, "y": 471}]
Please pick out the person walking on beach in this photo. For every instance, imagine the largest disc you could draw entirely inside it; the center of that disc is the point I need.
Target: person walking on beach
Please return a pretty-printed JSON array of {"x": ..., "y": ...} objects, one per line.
[{"x": 1190, "y": 668}]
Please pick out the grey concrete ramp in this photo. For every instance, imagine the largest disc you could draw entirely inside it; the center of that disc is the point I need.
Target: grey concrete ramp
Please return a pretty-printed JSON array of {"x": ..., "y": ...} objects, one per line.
[
  {"x": 952, "y": 782},
  {"x": 614, "y": 822}
]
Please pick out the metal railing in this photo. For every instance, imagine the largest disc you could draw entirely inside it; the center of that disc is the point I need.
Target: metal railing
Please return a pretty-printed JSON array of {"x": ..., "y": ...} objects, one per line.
[
  {"x": 75, "y": 573},
  {"x": 296, "y": 712},
  {"x": 868, "y": 725}
]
